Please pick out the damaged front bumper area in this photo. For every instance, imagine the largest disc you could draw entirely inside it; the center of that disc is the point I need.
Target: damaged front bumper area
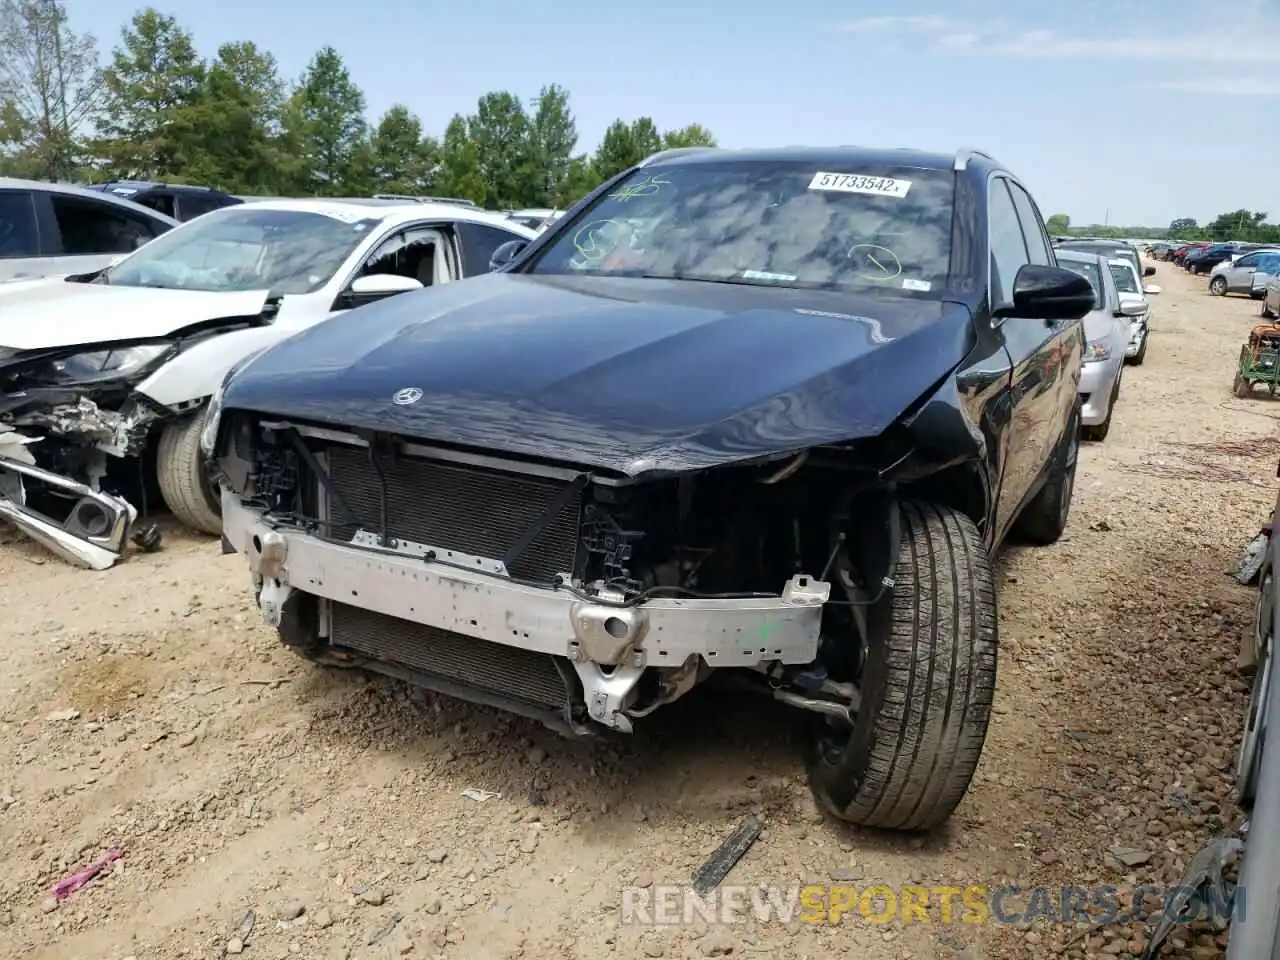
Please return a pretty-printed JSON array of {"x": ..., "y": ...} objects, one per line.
[
  {"x": 383, "y": 607},
  {"x": 96, "y": 528},
  {"x": 85, "y": 525}
]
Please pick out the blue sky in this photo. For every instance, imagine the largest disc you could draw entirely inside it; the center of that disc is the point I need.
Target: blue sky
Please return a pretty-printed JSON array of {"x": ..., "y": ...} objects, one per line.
[{"x": 1131, "y": 109}]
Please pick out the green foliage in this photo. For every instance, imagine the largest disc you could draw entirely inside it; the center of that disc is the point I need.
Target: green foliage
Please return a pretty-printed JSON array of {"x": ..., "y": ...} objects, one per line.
[
  {"x": 49, "y": 89},
  {"x": 1058, "y": 223}
]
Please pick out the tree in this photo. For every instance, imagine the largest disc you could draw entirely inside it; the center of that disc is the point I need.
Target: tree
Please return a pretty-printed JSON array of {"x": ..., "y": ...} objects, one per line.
[
  {"x": 401, "y": 159},
  {"x": 1058, "y": 223},
  {"x": 1182, "y": 228},
  {"x": 553, "y": 135},
  {"x": 154, "y": 82},
  {"x": 459, "y": 172},
  {"x": 694, "y": 135},
  {"x": 324, "y": 123},
  {"x": 624, "y": 145},
  {"x": 49, "y": 89},
  {"x": 501, "y": 133},
  {"x": 236, "y": 121}
]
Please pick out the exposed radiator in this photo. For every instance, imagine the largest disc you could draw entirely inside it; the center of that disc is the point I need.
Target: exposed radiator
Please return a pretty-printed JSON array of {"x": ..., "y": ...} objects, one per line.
[
  {"x": 508, "y": 672},
  {"x": 462, "y": 508}
]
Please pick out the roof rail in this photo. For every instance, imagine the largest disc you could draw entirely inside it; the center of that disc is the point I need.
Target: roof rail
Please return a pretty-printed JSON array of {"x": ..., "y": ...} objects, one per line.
[
  {"x": 414, "y": 198},
  {"x": 673, "y": 152},
  {"x": 965, "y": 154}
]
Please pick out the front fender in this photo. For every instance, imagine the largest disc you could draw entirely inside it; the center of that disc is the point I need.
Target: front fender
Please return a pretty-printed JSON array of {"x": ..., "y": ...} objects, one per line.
[{"x": 196, "y": 372}]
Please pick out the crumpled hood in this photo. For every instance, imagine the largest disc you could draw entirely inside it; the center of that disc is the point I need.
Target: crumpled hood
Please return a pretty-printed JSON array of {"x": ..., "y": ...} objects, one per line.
[
  {"x": 623, "y": 374},
  {"x": 37, "y": 314}
]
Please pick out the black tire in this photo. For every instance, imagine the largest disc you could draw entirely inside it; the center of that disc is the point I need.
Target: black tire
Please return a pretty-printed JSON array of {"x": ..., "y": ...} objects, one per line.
[
  {"x": 928, "y": 683},
  {"x": 1218, "y": 286},
  {"x": 1264, "y": 311},
  {"x": 184, "y": 482},
  {"x": 1044, "y": 519}
]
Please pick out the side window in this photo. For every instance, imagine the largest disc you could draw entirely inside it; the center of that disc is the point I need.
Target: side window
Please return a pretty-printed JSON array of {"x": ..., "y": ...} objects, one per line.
[
  {"x": 89, "y": 227},
  {"x": 191, "y": 207},
  {"x": 1248, "y": 260},
  {"x": 19, "y": 236},
  {"x": 1008, "y": 247},
  {"x": 159, "y": 201},
  {"x": 478, "y": 241},
  {"x": 409, "y": 253},
  {"x": 1032, "y": 228}
]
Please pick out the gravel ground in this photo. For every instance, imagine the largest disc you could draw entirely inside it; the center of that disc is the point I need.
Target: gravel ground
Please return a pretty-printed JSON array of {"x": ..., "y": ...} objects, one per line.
[{"x": 146, "y": 708}]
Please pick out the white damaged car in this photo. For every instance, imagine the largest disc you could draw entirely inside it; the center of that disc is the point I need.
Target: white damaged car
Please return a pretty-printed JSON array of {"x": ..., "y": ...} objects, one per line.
[{"x": 104, "y": 376}]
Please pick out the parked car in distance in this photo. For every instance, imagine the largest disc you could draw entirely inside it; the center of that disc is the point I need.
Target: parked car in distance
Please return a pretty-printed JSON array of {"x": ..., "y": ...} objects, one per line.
[
  {"x": 1110, "y": 248},
  {"x": 181, "y": 201},
  {"x": 1133, "y": 297},
  {"x": 136, "y": 350},
  {"x": 1270, "y": 308},
  {"x": 1107, "y": 335},
  {"x": 1236, "y": 274},
  {"x": 560, "y": 455},
  {"x": 415, "y": 198},
  {"x": 52, "y": 229},
  {"x": 1206, "y": 258},
  {"x": 535, "y": 218},
  {"x": 1180, "y": 255}
]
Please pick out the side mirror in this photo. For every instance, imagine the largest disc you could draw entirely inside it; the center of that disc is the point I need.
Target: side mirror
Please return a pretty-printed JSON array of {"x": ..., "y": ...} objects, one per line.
[
  {"x": 1151, "y": 288},
  {"x": 1149, "y": 272},
  {"x": 1042, "y": 292},
  {"x": 505, "y": 253},
  {"x": 383, "y": 285},
  {"x": 1131, "y": 308}
]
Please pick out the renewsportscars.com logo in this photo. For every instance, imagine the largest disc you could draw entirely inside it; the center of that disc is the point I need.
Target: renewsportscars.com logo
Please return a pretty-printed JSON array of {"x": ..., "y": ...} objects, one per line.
[{"x": 676, "y": 904}]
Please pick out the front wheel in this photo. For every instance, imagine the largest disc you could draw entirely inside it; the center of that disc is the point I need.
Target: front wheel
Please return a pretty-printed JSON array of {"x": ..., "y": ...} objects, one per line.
[
  {"x": 1218, "y": 286},
  {"x": 1265, "y": 310},
  {"x": 184, "y": 482},
  {"x": 927, "y": 687}
]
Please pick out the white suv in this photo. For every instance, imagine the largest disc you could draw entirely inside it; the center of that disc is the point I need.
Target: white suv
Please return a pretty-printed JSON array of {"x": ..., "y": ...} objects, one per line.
[{"x": 54, "y": 229}]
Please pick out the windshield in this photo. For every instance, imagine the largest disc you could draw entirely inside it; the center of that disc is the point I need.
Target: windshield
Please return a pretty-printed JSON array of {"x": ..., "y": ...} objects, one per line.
[
  {"x": 768, "y": 223},
  {"x": 239, "y": 249},
  {"x": 1088, "y": 270},
  {"x": 1123, "y": 274}
]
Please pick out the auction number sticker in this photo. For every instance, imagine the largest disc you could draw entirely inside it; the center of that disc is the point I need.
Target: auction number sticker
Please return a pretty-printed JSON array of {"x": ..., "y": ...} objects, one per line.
[{"x": 860, "y": 183}]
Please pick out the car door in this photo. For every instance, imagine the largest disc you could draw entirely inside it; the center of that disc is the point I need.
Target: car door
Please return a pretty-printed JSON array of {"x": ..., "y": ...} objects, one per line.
[
  {"x": 423, "y": 251},
  {"x": 1240, "y": 274},
  {"x": 20, "y": 246},
  {"x": 88, "y": 234},
  {"x": 1043, "y": 379}
]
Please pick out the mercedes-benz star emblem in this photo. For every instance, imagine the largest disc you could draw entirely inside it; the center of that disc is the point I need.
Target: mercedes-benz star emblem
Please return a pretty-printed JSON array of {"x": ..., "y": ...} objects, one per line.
[{"x": 407, "y": 396}]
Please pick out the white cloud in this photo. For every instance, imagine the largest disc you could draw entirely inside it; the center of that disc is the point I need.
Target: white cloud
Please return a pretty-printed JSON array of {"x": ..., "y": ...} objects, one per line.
[
  {"x": 1255, "y": 44},
  {"x": 1229, "y": 86}
]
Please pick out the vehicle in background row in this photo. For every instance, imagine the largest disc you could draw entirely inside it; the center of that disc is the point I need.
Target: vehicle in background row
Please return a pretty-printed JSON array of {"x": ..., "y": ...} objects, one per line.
[
  {"x": 414, "y": 198},
  {"x": 1107, "y": 336},
  {"x": 1236, "y": 274},
  {"x": 180, "y": 201},
  {"x": 1181, "y": 253},
  {"x": 53, "y": 229},
  {"x": 577, "y": 487},
  {"x": 536, "y": 218},
  {"x": 1271, "y": 298},
  {"x": 1206, "y": 258},
  {"x": 109, "y": 367},
  {"x": 1110, "y": 248},
  {"x": 1133, "y": 299}
]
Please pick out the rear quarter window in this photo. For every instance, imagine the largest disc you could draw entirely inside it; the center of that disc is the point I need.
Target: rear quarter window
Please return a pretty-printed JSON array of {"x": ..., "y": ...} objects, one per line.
[{"x": 19, "y": 235}]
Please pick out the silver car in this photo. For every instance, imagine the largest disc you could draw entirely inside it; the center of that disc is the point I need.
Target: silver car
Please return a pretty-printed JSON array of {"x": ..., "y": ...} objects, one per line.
[
  {"x": 1238, "y": 275},
  {"x": 54, "y": 229},
  {"x": 1106, "y": 330}
]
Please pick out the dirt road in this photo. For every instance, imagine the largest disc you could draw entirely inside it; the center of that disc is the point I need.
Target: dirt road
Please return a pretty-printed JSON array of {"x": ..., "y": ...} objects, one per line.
[{"x": 147, "y": 709}]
